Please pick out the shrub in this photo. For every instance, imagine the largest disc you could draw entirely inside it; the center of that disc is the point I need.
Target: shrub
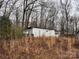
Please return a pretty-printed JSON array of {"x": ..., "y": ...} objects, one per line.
[
  {"x": 17, "y": 32},
  {"x": 5, "y": 27}
]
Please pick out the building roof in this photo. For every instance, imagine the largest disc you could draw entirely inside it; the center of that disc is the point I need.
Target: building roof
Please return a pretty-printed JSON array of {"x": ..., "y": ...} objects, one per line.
[
  {"x": 43, "y": 28},
  {"x": 29, "y": 27}
]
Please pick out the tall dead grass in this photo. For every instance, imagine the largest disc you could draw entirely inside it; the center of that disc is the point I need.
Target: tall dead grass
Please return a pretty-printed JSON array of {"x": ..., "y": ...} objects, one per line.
[{"x": 39, "y": 48}]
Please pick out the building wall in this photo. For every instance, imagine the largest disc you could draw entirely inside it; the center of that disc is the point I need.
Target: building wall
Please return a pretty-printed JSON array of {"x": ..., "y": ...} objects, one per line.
[{"x": 41, "y": 32}]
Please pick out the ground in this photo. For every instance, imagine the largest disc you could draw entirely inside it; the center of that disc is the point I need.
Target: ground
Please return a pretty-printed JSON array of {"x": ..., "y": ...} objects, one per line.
[{"x": 40, "y": 48}]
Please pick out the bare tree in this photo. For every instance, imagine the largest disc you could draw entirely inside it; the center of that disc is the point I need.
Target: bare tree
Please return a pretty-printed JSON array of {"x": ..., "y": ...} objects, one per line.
[
  {"x": 76, "y": 20},
  {"x": 11, "y": 7},
  {"x": 71, "y": 26},
  {"x": 48, "y": 13},
  {"x": 1, "y": 3},
  {"x": 42, "y": 5},
  {"x": 66, "y": 10},
  {"x": 27, "y": 10},
  {"x": 17, "y": 17},
  {"x": 6, "y": 7},
  {"x": 77, "y": 4},
  {"x": 62, "y": 23},
  {"x": 52, "y": 13}
]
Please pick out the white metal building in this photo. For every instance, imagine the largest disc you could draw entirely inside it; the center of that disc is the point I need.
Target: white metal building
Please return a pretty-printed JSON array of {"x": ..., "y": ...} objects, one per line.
[{"x": 37, "y": 32}]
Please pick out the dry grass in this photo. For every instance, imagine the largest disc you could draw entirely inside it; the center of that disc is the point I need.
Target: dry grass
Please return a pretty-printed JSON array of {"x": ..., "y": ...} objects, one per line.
[{"x": 40, "y": 48}]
